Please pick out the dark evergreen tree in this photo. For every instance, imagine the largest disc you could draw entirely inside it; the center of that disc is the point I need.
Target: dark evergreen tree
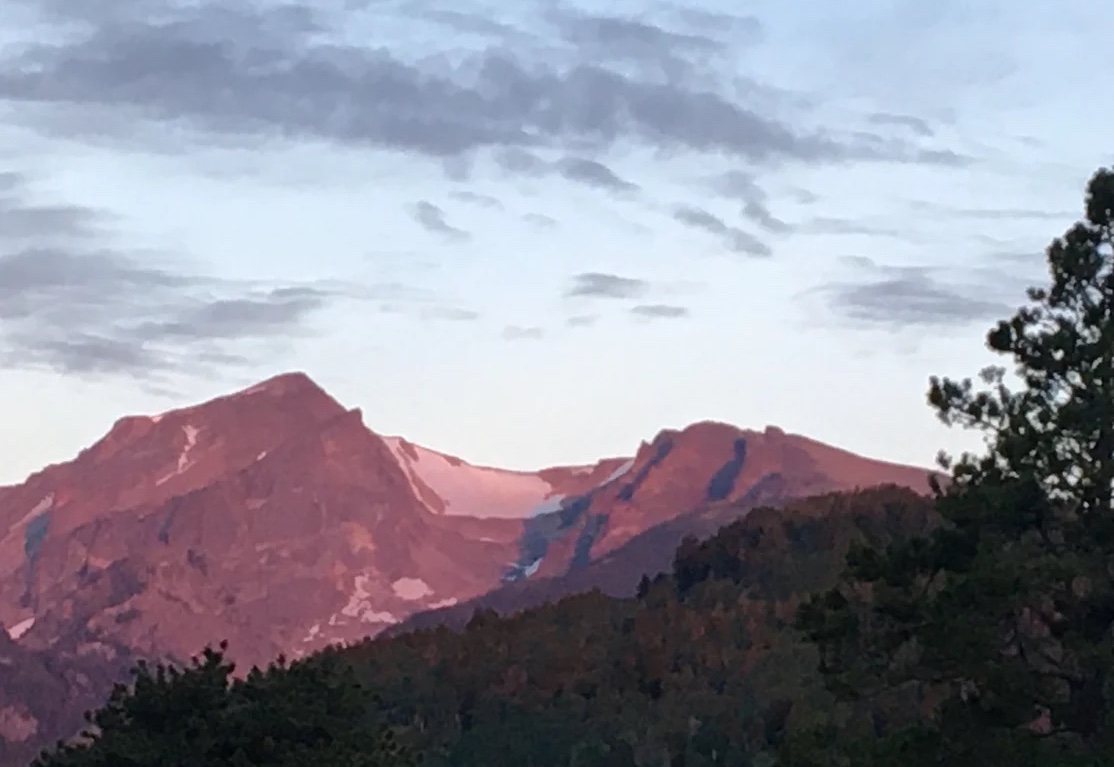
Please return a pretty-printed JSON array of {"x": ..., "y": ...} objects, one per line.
[
  {"x": 304, "y": 714},
  {"x": 996, "y": 632}
]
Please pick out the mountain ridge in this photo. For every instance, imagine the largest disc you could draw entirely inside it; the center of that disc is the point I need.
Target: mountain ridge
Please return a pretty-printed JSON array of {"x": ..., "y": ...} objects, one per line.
[{"x": 275, "y": 518}]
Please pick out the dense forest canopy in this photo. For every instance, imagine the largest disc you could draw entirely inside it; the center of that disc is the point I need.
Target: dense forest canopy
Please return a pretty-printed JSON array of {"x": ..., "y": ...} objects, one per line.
[{"x": 869, "y": 628}]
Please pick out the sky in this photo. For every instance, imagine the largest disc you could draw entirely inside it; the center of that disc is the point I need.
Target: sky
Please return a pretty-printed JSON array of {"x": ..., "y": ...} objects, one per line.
[{"x": 531, "y": 233}]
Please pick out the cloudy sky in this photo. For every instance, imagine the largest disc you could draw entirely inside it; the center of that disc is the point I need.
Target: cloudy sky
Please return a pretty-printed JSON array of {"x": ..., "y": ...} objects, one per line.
[{"x": 531, "y": 232}]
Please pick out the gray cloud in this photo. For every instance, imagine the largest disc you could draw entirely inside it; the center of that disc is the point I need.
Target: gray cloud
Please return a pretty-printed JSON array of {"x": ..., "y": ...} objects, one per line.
[
  {"x": 451, "y": 313},
  {"x": 580, "y": 170},
  {"x": 945, "y": 157},
  {"x": 521, "y": 162},
  {"x": 601, "y": 285},
  {"x": 660, "y": 311},
  {"x": 760, "y": 214},
  {"x": 667, "y": 53},
  {"x": 473, "y": 23},
  {"x": 832, "y": 225},
  {"x": 917, "y": 125},
  {"x": 594, "y": 173},
  {"x": 540, "y": 220},
  {"x": 482, "y": 200},
  {"x": 582, "y": 320},
  {"x": 738, "y": 184},
  {"x": 520, "y": 333},
  {"x": 733, "y": 237},
  {"x": 804, "y": 196},
  {"x": 250, "y": 316},
  {"x": 80, "y": 354},
  {"x": 432, "y": 219},
  {"x": 25, "y": 220},
  {"x": 611, "y": 33},
  {"x": 269, "y": 72},
  {"x": 915, "y": 296},
  {"x": 736, "y": 27},
  {"x": 744, "y": 187},
  {"x": 71, "y": 301}
]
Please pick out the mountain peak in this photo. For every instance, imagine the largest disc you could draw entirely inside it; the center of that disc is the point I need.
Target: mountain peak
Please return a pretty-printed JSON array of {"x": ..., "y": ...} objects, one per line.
[
  {"x": 709, "y": 430},
  {"x": 294, "y": 388},
  {"x": 144, "y": 459},
  {"x": 287, "y": 384}
]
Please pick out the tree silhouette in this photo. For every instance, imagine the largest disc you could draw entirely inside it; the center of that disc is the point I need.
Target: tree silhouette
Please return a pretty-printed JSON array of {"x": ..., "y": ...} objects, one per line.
[
  {"x": 1000, "y": 622},
  {"x": 290, "y": 715}
]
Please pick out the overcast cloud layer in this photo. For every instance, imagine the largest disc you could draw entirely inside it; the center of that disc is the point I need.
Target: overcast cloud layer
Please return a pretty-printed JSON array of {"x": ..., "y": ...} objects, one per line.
[{"x": 266, "y": 71}]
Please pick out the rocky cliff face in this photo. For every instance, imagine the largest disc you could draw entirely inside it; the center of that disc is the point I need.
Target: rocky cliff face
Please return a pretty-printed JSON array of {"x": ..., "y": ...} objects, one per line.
[
  {"x": 275, "y": 519},
  {"x": 272, "y": 518},
  {"x": 43, "y": 693},
  {"x": 682, "y": 471}
]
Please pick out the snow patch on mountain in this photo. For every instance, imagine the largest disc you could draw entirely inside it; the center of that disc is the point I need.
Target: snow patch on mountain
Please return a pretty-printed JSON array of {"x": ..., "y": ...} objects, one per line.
[
  {"x": 359, "y": 605},
  {"x": 620, "y": 471},
  {"x": 45, "y": 504},
  {"x": 21, "y": 628},
  {"x": 548, "y": 506},
  {"x": 184, "y": 462},
  {"x": 191, "y": 433},
  {"x": 411, "y": 588},
  {"x": 550, "y": 518},
  {"x": 467, "y": 490}
]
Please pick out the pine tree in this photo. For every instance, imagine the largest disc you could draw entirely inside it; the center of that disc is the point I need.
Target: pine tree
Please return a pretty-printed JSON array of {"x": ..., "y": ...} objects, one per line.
[
  {"x": 303, "y": 714},
  {"x": 999, "y": 624}
]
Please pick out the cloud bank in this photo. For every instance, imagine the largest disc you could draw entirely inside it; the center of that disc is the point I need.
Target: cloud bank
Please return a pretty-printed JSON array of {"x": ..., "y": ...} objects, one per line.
[{"x": 74, "y": 301}]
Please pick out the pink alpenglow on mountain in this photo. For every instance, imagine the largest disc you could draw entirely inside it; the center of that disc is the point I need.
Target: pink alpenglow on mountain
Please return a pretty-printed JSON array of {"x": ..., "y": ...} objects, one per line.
[{"x": 276, "y": 519}]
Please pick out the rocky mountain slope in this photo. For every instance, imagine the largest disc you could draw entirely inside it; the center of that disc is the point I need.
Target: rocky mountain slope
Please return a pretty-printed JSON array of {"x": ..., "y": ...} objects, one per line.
[
  {"x": 789, "y": 467},
  {"x": 276, "y": 519},
  {"x": 43, "y": 693}
]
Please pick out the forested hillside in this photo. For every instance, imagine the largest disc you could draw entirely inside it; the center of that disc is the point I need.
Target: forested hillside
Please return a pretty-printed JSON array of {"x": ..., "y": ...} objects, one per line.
[{"x": 702, "y": 667}]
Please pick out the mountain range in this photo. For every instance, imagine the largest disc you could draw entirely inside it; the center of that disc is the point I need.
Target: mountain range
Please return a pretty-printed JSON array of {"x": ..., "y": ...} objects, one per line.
[{"x": 274, "y": 518}]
